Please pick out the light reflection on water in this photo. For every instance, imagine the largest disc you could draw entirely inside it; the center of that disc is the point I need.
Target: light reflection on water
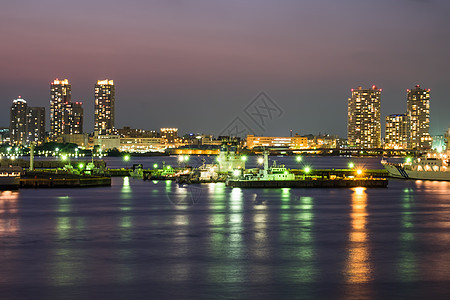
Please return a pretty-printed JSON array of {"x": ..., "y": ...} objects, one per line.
[
  {"x": 233, "y": 242},
  {"x": 359, "y": 269}
]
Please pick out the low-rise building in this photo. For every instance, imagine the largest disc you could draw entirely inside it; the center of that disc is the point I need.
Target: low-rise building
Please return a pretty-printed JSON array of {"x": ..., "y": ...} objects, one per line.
[
  {"x": 294, "y": 142},
  {"x": 81, "y": 139},
  {"x": 141, "y": 145},
  {"x": 106, "y": 142}
]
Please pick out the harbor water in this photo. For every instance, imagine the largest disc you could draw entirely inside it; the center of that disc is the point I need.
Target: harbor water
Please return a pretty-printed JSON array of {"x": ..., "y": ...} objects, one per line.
[{"x": 160, "y": 240}]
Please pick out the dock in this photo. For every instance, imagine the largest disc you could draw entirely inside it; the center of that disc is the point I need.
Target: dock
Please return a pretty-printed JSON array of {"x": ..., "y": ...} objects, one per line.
[
  {"x": 54, "y": 180},
  {"x": 311, "y": 183}
]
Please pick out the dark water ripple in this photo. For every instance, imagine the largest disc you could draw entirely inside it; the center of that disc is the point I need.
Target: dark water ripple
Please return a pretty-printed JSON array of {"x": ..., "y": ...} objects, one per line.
[{"x": 158, "y": 240}]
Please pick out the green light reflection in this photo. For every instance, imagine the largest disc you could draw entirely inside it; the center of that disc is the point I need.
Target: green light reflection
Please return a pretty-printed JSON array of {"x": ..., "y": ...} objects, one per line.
[{"x": 407, "y": 263}]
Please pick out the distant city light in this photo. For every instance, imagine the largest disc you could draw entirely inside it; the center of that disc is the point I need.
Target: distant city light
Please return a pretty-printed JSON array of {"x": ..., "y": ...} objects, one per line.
[{"x": 260, "y": 160}]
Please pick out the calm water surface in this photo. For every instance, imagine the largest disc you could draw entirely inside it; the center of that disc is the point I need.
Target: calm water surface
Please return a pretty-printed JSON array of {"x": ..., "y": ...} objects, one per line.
[{"x": 155, "y": 239}]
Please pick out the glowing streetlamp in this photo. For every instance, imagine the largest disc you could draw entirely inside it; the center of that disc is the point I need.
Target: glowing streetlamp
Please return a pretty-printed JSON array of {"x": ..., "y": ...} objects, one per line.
[
  {"x": 351, "y": 165},
  {"x": 244, "y": 158},
  {"x": 299, "y": 158},
  {"x": 260, "y": 160}
]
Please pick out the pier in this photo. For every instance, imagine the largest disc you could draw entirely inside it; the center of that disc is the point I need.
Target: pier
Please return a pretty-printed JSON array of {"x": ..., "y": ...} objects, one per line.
[{"x": 311, "y": 183}]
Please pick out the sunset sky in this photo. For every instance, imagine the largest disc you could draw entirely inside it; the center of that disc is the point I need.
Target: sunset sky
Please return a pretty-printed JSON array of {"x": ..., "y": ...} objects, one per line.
[{"x": 196, "y": 64}]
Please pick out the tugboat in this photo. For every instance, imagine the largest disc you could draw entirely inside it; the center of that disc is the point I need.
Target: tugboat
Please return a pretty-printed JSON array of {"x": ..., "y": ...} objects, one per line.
[{"x": 428, "y": 167}]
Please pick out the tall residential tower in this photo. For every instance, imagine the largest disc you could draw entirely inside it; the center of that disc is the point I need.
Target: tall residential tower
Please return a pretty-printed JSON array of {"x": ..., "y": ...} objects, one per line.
[
  {"x": 18, "y": 122},
  {"x": 418, "y": 112},
  {"x": 364, "y": 126},
  {"x": 60, "y": 93},
  {"x": 105, "y": 96},
  {"x": 397, "y": 133}
]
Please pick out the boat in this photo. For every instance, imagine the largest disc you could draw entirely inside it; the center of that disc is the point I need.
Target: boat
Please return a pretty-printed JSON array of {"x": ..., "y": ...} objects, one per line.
[
  {"x": 278, "y": 176},
  {"x": 273, "y": 173},
  {"x": 431, "y": 166},
  {"x": 10, "y": 177},
  {"x": 137, "y": 171}
]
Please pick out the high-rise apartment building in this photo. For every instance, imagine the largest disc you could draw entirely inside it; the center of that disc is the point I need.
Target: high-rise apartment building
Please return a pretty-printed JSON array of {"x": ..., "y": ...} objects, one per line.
[
  {"x": 364, "y": 125},
  {"x": 60, "y": 93},
  {"x": 27, "y": 124},
  {"x": 73, "y": 118},
  {"x": 105, "y": 96},
  {"x": 397, "y": 132},
  {"x": 418, "y": 112},
  {"x": 18, "y": 122},
  {"x": 35, "y": 125}
]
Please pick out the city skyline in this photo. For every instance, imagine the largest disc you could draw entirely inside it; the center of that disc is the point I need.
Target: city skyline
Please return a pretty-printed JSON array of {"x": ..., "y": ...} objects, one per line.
[{"x": 209, "y": 64}]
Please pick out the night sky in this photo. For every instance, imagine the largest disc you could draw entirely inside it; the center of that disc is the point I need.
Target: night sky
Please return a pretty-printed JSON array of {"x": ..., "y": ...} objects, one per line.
[{"x": 196, "y": 65}]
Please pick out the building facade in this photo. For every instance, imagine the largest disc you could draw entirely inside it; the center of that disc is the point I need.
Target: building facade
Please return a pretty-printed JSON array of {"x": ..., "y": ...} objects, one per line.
[
  {"x": 104, "y": 116},
  {"x": 60, "y": 96},
  {"x": 364, "y": 124},
  {"x": 73, "y": 118},
  {"x": 294, "y": 142},
  {"x": 27, "y": 124},
  {"x": 397, "y": 132},
  {"x": 418, "y": 112},
  {"x": 169, "y": 135},
  {"x": 36, "y": 125},
  {"x": 18, "y": 122}
]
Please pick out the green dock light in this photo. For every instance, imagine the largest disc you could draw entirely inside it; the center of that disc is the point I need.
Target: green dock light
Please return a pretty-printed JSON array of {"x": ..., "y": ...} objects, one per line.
[
  {"x": 307, "y": 170},
  {"x": 81, "y": 166},
  {"x": 244, "y": 158},
  {"x": 408, "y": 160},
  {"x": 155, "y": 166},
  {"x": 186, "y": 158},
  {"x": 168, "y": 167},
  {"x": 126, "y": 158},
  {"x": 64, "y": 157},
  {"x": 299, "y": 158},
  {"x": 351, "y": 165},
  {"x": 236, "y": 173}
]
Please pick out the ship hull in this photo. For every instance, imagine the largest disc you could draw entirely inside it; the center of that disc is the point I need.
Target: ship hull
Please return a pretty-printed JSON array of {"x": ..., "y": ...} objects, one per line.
[
  {"x": 398, "y": 171},
  {"x": 9, "y": 182}
]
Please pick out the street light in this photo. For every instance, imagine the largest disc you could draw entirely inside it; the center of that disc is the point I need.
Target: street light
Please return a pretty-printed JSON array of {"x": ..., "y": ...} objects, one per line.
[
  {"x": 299, "y": 158},
  {"x": 307, "y": 170},
  {"x": 351, "y": 165}
]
